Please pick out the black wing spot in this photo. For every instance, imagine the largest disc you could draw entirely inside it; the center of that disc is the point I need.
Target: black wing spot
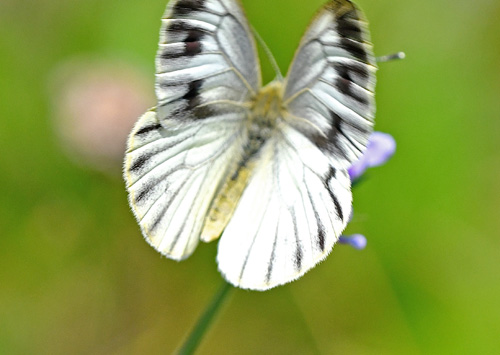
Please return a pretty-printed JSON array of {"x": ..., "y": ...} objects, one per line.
[
  {"x": 338, "y": 209},
  {"x": 332, "y": 173},
  {"x": 321, "y": 229},
  {"x": 140, "y": 162},
  {"x": 194, "y": 89},
  {"x": 192, "y": 96},
  {"x": 298, "y": 251},
  {"x": 346, "y": 87},
  {"x": 330, "y": 142},
  {"x": 178, "y": 27},
  {"x": 271, "y": 260},
  {"x": 356, "y": 49},
  {"x": 321, "y": 238},
  {"x": 145, "y": 191},
  {"x": 298, "y": 258},
  {"x": 328, "y": 178},
  {"x": 193, "y": 44},
  {"x": 194, "y": 35},
  {"x": 345, "y": 71},
  {"x": 192, "y": 40},
  {"x": 193, "y": 32},
  {"x": 147, "y": 129},
  {"x": 156, "y": 222},
  {"x": 193, "y": 99},
  {"x": 337, "y": 120},
  {"x": 193, "y": 48},
  {"x": 347, "y": 29},
  {"x": 185, "y": 7},
  {"x": 345, "y": 80},
  {"x": 190, "y": 50}
]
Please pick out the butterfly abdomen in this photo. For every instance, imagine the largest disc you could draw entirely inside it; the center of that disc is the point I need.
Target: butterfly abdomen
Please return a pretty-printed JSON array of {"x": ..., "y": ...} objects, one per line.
[{"x": 225, "y": 203}]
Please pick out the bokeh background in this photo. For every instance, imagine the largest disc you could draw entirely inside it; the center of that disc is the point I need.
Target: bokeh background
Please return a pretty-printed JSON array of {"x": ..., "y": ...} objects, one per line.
[{"x": 77, "y": 277}]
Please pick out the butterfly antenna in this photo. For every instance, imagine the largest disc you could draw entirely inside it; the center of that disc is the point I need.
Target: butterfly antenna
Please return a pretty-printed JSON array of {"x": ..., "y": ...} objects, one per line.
[
  {"x": 268, "y": 54},
  {"x": 391, "y": 57}
]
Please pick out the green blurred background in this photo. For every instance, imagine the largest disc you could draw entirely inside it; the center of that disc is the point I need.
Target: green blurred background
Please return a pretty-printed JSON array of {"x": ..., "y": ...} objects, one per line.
[{"x": 77, "y": 277}]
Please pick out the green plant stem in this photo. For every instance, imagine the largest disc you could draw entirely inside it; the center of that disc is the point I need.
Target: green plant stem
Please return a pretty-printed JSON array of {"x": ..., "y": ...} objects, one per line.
[{"x": 194, "y": 338}]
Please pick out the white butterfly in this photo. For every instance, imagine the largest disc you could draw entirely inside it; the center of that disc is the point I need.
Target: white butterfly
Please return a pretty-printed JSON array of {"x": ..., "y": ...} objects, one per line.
[{"x": 264, "y": 166}]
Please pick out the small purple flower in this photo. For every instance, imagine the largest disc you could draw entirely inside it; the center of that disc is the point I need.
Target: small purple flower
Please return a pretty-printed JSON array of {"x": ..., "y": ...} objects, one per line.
[
  {"x": 357, "y": 241},
  {"x": 381, "y": 147}
]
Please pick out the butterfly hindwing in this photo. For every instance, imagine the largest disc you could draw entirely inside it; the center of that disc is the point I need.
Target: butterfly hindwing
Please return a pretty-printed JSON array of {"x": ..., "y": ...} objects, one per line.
[{"x": 289, "y": 217}]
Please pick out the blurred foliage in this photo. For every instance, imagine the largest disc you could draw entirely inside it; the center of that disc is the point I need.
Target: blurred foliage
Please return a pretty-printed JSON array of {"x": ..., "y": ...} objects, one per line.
[{"x": 76, "y": 276}]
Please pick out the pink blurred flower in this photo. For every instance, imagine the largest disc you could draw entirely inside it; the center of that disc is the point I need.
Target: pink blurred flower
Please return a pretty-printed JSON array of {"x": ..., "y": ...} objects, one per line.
[{"x": 96, "y": 103}]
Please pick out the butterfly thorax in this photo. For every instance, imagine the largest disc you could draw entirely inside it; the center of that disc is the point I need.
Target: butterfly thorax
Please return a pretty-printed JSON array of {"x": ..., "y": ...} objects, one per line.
[
  {"x": 267, "y": 105},
  {"x": 266, "y": 108},
  {"x": 265, "y": 111}
]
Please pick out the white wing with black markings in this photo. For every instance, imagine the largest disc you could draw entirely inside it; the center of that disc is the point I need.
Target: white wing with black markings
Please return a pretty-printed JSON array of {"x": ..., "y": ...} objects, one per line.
[
  {"x": 206, "y": 54},
  {"x": 289, "y": 217},
  {"x": 331, "y": 82},
  {"x": 180, "y": 152}
]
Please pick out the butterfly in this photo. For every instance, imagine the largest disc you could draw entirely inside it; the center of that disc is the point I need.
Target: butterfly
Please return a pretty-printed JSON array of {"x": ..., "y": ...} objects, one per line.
[{"x": 263, "y": 168}]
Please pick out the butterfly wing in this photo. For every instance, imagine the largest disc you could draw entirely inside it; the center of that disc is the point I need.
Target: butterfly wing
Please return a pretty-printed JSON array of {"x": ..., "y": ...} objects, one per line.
[
  {"x": 298, "y": 200},
  {"x": 331, "y": 82},
  {"x": 180, "y": 152},
  {"x": 290, "y": 215}
]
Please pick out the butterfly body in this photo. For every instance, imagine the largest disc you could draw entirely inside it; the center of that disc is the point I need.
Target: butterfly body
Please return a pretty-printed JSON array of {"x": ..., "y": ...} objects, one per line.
[
  {"x": 267, "y": 106},
  {"x": 264, "y": 168}
]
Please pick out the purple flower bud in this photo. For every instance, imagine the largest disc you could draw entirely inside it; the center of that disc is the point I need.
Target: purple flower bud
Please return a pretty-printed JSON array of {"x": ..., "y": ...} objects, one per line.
[
  {"x": 381, "y": 147},
  {"x": 357, "y": 241}
]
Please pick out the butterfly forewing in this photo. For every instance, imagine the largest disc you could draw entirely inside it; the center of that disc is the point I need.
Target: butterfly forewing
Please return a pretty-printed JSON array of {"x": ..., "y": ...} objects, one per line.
[
  {"x": 180, "y": 152},
  {"x": 206, "y": 54},
  {"x": 331, "y": 81}
]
